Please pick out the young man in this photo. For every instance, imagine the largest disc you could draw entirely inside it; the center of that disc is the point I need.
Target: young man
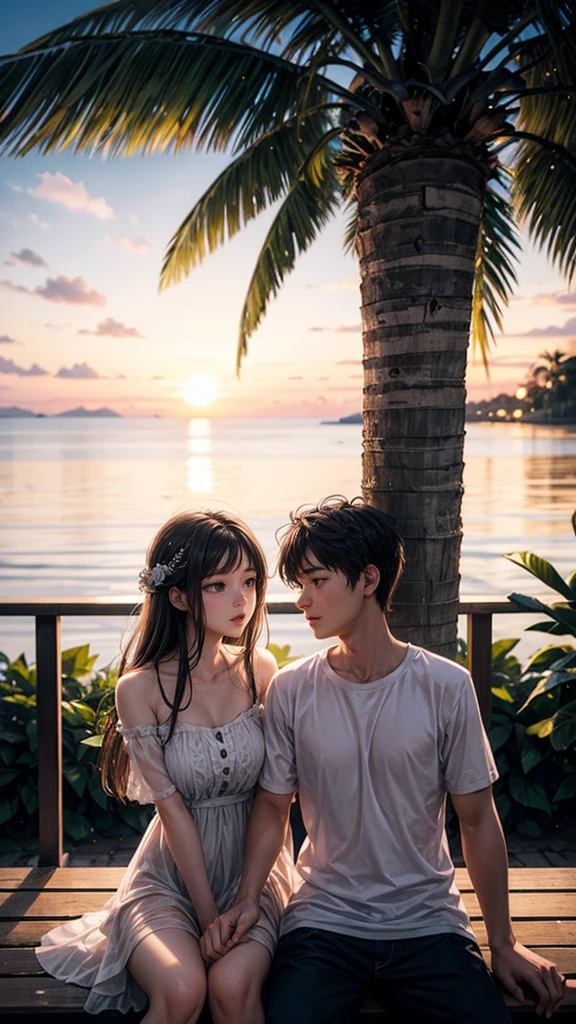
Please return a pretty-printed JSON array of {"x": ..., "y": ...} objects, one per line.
[{"x": 373, "y": 733}]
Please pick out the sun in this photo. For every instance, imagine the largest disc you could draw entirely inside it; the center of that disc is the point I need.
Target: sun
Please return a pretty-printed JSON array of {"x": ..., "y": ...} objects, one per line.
[{"x": 200, "y": 390}]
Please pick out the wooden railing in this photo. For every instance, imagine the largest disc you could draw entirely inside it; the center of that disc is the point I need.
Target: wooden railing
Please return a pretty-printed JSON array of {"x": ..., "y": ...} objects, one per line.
[{"x": 48, "y": 612}]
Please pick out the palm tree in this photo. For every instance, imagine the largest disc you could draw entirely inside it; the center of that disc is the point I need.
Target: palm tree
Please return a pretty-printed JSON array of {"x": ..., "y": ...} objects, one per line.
[
  {"x": 400, "y": 111},
  {"x": 551, "y": 386}
]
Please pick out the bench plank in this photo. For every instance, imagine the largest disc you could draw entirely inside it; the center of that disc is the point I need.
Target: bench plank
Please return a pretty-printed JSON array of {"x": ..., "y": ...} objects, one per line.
[
  {"x": 38, "y": 994},
  {"x": 30, "y": 903},
  {"x": 18, "y": 961},
  {"x": 65, "y": 879},
  {"x": 108, "y": 879}
]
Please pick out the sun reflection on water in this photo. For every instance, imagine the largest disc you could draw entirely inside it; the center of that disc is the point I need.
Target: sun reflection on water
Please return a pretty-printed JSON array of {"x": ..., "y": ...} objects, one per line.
[{"x": 199, "y": 468}]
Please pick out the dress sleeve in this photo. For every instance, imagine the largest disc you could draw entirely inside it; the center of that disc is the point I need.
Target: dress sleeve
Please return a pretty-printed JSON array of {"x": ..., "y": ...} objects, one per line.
[
  {"x": 279, "y": 774},
  {"x": 466, "y": 757},
  {"x": 148, "y": 780}
]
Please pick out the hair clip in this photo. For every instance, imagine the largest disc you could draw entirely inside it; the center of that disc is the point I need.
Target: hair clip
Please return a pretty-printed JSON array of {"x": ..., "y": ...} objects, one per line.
[{"x": 151, "y": 579}]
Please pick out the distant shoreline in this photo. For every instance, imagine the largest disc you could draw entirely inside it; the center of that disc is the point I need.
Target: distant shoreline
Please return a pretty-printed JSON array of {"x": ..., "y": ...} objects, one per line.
[{"x": 16, "y": 413}]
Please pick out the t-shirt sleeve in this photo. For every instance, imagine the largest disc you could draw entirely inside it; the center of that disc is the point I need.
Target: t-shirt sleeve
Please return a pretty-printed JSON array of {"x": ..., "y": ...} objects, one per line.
[
  {"x": 466, "y": 756},
  {"x": 279, "y": 773},
  {"x": 148, "y": 780}
]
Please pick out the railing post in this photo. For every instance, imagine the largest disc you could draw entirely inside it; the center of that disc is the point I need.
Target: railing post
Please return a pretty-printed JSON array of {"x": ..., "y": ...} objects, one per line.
[
  {"x": 49, "y": 717},
  {"x": 480, "y": 661}
]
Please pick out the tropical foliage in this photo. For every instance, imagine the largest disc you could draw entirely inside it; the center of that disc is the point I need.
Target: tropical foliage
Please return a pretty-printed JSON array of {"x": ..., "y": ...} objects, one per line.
[
  {"x": 551, "y": 387},
  {"x": 87, "y": 698},
  {"x": 537, "y": 767},
  {"x": 305, "y": 96},
  {"x": 559, "y": 662}
]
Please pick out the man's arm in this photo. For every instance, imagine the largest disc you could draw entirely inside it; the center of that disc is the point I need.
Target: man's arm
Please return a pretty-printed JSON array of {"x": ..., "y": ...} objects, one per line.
[
  {"x": 265, "y": 838},
  {"x": 484, "y": 850}
]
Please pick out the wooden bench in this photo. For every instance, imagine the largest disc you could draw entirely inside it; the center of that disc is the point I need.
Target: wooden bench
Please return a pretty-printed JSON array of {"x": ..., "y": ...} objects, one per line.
[{"x": 33, "y": 900}]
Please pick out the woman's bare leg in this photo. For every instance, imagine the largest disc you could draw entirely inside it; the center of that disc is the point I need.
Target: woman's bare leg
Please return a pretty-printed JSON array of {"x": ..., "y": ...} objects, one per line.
[
  {"x": 235, "y": 984},
  {"x": 172, "y": 973}
]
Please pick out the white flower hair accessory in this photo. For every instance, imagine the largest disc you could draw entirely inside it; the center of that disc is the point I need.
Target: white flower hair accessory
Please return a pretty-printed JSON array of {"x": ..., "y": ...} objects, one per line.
[{"x": 151, "y": 579}]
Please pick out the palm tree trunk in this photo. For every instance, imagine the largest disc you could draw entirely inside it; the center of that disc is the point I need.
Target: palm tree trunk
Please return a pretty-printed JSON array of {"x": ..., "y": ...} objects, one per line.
[{"x": 417, "y": 233}]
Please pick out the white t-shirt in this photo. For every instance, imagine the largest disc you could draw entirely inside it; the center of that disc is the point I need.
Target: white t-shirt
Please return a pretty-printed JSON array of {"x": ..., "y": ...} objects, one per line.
[{"x": 372, "y": 763}]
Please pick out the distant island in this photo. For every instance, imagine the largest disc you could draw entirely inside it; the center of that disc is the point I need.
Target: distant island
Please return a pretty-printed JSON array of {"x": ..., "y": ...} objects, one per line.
[{"x": 15, "y": 412}]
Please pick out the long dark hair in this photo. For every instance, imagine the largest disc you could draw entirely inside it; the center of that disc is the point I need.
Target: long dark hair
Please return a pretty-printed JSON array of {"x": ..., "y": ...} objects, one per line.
[{"x": 208, "y": 542}]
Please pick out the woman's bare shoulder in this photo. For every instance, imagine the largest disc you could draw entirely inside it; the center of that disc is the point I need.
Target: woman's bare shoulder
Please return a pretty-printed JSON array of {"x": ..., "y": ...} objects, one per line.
[{"x": 136, "y": 697}]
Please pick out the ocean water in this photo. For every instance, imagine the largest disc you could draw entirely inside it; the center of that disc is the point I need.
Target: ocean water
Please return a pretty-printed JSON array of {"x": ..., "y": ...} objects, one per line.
[{"x": 82, "y": 498}]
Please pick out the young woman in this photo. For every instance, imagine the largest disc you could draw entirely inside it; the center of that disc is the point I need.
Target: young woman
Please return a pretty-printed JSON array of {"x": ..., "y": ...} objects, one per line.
[{"x": 187, "y": 736}]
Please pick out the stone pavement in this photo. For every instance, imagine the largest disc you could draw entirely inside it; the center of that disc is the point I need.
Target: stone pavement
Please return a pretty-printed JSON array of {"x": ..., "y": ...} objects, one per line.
[{"x": 99, "y": 851}]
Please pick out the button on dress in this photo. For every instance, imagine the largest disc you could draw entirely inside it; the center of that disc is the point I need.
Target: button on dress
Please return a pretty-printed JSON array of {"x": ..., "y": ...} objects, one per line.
[{"x": 216, "y": 771}]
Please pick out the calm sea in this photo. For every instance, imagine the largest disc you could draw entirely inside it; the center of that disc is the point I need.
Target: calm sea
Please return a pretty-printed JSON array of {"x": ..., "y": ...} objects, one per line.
[{"x": 81, "y": 499}]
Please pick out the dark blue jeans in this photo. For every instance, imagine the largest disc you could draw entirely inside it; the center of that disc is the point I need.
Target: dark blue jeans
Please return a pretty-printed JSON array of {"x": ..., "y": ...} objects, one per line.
[{"x": 320, "y": 977}]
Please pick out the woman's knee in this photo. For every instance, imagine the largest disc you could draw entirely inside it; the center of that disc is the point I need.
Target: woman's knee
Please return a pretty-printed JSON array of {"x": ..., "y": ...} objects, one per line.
[
  {"x": 181, "y": 998},
  {"x": 231, "y": 989}
]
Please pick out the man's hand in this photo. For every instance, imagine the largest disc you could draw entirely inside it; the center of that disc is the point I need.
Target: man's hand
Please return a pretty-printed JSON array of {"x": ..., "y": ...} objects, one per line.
[
  {"x": 516, "y": 967},
  {"x": 228, "y": 930}
]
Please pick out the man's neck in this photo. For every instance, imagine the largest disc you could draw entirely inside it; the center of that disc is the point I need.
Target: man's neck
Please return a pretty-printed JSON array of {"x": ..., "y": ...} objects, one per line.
[{"x": 367, "y": 651}]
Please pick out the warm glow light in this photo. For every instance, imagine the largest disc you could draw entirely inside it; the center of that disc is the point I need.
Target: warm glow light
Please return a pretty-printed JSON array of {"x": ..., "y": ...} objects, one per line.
[
  {"x": 200, "y": 390},
  {"x": 521, "y": 393},
  {"x": 501, "y": 413},
  {"x": 517, "y": 414}
]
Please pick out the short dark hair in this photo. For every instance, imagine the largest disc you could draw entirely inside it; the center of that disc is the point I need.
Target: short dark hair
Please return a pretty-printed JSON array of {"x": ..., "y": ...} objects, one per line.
[{"x": 344, "y": 536}]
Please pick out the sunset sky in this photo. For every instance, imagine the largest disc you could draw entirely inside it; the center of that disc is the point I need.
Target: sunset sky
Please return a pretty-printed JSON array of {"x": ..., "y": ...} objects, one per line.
[{"x": 82, "y": 323}]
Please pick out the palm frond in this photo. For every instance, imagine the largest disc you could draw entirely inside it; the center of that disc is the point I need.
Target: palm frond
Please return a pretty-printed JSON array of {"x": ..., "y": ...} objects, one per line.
[
  {"x": 311, "y": 201},
  {"x": 351, "y": 228},
  {"x": 544, "y": 193},
  {"x": 145, "y": 91},
  {"x": 494, "y": 274},
  {"x": 258, "y": 177}
]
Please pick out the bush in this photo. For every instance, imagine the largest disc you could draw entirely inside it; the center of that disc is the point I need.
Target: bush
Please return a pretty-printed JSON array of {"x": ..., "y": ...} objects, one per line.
[
  {"x": 537, "y": 773},
  {"x": 87, "y": 699}
]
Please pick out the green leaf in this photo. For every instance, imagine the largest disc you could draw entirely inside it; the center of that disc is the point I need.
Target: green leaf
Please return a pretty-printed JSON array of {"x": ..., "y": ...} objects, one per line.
[
  {"x": 527, "y": 827},
  {"x": 529, "y": 794},
  {"x": 502, "y": 693},
  {"x": 8, "y": 809},
  {"x": 76, "y": 825},
  {"x": 542, "y": 570},
  {"x": 566, "y": 789},
  {"x": 547, "y": 684},
  {"x": 532, "y": 604},
  {"x": 546, "y": 627},
  {"x": 499, "y": 734},
  {"x": 6, "y": 775},
  {"x": 78, "y": 713},
  {"x": 564, "y": 732},
  {"x": 541, "y": 729},
  {"x": 97, "y": 793},
  {"x": 29, "y": 796},
  {"x": 500, "y": 649},
  {"x": 551, "y": 656},
  {"x": 531, "y": 755},
  {"x": 11, "y": 737},
  {"x": 77, "y": 778},
  {"x": 93, "y": 741},
  {"x": 76, "y": 661}
]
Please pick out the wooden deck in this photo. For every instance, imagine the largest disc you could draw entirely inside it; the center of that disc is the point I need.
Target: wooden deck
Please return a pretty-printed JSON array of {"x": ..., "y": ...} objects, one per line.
[{"x": 33, "y": 900}]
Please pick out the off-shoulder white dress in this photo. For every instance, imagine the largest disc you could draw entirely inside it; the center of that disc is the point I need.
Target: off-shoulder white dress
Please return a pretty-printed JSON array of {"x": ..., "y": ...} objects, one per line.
[{"x": 216, "y": 771}]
